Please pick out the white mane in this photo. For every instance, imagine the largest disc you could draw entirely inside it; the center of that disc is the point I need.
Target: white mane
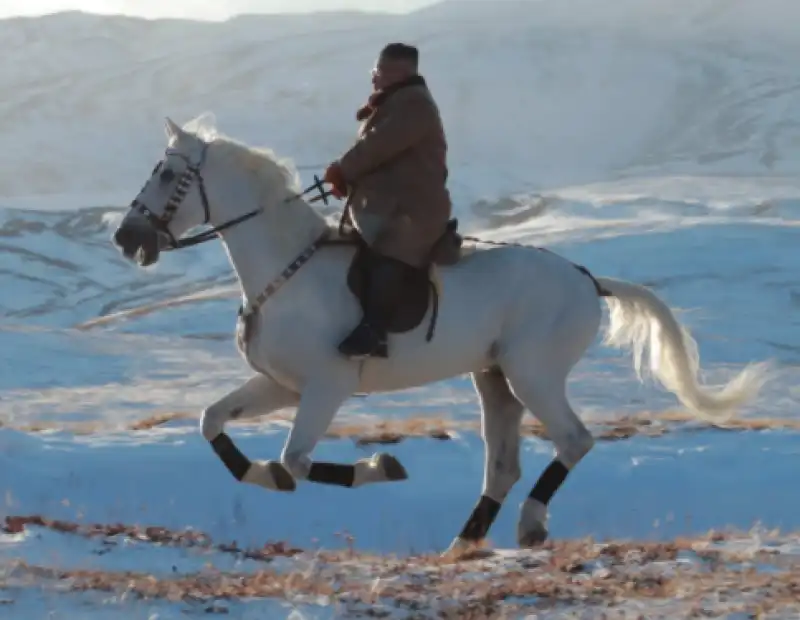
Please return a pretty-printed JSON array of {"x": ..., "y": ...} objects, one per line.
[
  {"x": 271, "y": 169},
  {"x": 276, "y": 178}
]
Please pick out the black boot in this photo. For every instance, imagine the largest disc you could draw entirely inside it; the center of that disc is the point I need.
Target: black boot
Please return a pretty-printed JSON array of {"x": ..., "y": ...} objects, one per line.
[
  {"x": 383, "y": 286},
  {"x": 366, "y": 340}
]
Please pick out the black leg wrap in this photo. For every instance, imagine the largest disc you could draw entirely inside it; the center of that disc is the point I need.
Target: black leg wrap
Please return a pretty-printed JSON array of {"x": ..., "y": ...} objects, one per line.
[
  {"x": 236, "y": 462},
  {"x": 548, "y": 483},
  {"x": 481, "y": 519},
  {"x": 332, "y": 473}
]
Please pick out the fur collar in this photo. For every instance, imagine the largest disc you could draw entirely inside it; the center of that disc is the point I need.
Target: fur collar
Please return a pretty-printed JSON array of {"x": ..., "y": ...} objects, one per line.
[{"x": 377, "y": 98}]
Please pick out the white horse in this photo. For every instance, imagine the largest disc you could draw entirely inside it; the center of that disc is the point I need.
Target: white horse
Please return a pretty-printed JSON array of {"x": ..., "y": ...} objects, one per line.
[{"x": 516, "y": 319}]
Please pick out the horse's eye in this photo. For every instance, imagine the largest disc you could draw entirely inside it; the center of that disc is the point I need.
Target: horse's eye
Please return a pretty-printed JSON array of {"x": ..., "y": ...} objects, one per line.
[{"x": 167, "y": 175}]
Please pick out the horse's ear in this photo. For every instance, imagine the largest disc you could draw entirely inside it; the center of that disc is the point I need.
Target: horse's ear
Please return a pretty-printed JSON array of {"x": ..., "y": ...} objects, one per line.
[{"x": 171, "y": 128}]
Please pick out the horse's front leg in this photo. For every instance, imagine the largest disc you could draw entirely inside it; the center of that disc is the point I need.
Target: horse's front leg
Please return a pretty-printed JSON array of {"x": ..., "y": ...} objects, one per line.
[
  {"x": 319, "y": 402},
  {"x": 260, "y": 395}
]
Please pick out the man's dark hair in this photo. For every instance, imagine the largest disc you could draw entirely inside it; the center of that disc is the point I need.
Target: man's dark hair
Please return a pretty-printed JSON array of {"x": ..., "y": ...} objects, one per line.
[{"x": 401, "y": 51}]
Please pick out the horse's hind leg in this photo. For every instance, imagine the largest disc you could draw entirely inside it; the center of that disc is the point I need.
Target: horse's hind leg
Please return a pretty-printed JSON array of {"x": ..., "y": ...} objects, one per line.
[
  {"x": 545, "y": 396},
  {"x": 501, "y": 415},
  {"x": 537, "y": 366}
]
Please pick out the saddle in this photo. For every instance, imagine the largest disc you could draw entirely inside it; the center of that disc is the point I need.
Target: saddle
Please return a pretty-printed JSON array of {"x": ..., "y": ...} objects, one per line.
[{"x": 420, "y": 288}]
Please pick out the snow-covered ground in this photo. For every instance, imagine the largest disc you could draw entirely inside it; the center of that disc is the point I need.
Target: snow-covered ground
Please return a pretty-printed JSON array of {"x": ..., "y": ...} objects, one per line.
[{"x": 651, "y": 140}]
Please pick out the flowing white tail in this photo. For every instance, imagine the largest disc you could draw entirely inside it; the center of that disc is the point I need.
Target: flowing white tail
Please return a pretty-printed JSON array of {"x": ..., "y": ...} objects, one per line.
[{"x": 639, "y": 319}]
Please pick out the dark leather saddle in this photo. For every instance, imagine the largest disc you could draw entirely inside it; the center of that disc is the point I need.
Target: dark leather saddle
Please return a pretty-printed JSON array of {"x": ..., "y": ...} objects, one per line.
[{"x": 419, "y": 289}]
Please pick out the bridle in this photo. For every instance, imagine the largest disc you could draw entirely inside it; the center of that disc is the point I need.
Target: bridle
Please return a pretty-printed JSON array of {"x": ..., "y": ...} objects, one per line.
[
  {"x": 189, "y": 176},
  {"x": 192, "y": 174}
]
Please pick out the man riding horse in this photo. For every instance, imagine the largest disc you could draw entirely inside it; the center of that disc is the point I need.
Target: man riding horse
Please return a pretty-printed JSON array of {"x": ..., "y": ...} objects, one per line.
[{"x": 395, "y": 181}]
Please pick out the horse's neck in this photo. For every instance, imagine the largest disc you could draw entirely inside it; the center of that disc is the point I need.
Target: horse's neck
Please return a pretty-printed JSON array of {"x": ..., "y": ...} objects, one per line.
[{"x": 260, "y": 249}]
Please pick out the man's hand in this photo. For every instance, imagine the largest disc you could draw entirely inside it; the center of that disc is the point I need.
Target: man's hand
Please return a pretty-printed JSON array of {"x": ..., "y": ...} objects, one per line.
[{"x": 334, "y": 176}]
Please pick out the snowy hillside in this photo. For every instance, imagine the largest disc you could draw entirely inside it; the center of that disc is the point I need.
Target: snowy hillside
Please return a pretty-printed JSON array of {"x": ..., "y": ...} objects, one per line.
[
  {"x": 533, "y": 93},
  {"x": 653, "y": 140}
]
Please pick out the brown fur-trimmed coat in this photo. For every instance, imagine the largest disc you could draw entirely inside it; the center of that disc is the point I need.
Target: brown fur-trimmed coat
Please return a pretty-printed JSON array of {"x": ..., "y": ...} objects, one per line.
[{"x": 397, "y": 171}]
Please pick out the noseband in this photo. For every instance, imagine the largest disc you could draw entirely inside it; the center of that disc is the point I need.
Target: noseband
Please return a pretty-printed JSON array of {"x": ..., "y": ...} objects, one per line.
[{"x": 189, "y": 176}]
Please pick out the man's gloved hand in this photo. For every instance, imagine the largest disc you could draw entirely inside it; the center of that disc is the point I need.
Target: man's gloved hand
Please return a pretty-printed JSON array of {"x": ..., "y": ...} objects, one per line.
[{"x": 334, "y": 176}]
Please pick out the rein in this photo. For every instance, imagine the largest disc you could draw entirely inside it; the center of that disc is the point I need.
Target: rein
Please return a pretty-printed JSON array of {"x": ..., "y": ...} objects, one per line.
[
  {"x": 211, "y": 233},
  {"x": 189, "y": 176},
  {"x": 192, "y": 174}
]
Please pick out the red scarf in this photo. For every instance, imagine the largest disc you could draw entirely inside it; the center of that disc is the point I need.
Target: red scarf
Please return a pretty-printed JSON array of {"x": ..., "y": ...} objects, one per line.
[{"x": 377, "y": 98}]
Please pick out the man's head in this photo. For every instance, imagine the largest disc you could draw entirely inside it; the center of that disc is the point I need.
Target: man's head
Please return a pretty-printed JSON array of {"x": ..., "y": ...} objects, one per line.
[{"x": 396, "y": 62}]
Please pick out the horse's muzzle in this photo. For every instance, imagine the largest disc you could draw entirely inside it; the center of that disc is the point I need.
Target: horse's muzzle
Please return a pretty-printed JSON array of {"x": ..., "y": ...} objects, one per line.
[{"x": 138, "y": 242}]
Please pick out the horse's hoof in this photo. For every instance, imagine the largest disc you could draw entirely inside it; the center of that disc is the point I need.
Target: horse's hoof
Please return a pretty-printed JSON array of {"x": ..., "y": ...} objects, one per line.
[
  {"x": 284, "y": 481},
  {"x": 393, "y": 471},
  {"x": 461, "y": 549},
  {"x": 270, "y": 475},
  {"x": 534, "y": 537},
  {"x": 459, "y": 545}
]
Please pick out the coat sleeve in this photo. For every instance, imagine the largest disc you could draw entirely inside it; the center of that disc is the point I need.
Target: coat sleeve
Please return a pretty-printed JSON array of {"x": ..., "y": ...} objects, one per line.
[{"x": 409, "y": 120}]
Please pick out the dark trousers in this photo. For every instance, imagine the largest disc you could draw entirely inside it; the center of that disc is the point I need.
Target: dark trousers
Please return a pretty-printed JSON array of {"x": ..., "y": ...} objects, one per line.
[{"x": 382, "y": 284}]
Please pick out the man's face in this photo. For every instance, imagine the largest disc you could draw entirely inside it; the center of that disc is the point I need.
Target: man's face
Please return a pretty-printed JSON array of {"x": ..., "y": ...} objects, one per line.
[{"x": 388, "y": 72}]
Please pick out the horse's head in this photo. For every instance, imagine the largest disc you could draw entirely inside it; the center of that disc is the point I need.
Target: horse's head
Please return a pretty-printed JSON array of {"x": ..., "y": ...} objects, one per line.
[{"x": 172, "y": 201}]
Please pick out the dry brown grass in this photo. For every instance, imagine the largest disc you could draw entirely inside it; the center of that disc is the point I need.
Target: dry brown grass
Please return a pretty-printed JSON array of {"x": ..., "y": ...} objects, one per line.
[
  {"x": 154, "y": 421},
  {"x": 560, "y": 573},
  {"x": 93, "y": 427},
  {"x": 644, "y": 424},
  {"x": 394, "y": 431},
  {"x": 149, "y": 534}
]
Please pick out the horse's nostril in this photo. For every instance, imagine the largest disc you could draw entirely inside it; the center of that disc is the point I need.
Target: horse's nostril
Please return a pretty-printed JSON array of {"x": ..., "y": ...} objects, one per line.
[
  {"x": 127, "y": 238},
  {"x": 121, "y": 236},
  {"x": 137, "y": 242}
]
